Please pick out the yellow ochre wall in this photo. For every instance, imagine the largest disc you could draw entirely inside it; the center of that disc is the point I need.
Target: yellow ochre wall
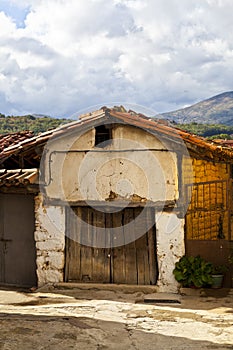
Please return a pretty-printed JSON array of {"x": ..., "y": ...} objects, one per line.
[{"x": 208, "y": 185}]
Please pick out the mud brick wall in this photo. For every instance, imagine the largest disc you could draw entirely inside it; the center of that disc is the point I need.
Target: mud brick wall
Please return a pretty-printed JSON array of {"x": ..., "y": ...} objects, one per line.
[{"x": 207, "y": 215}]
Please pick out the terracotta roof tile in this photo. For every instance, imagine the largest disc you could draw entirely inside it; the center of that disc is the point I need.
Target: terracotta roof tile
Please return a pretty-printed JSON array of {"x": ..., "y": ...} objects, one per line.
[
  {"x": 18, "y": 177},
  {"x": 228, "y": 143},
  {"x": 14, "y": 138}
]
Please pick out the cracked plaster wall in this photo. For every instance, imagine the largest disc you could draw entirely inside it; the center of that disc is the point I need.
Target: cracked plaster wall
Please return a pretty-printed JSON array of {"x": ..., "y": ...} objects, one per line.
[
  {"x": 170, "y": 248},
  {"x": 135, "y": 163}
]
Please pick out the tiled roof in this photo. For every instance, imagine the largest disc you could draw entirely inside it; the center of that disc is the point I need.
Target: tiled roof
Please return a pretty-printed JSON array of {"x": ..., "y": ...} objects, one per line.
[
  {"x": 42, "y": 138},
  {"x": 14, "y": 138},
  {"x": 198, "y": 145},
  {"x": 228, "y": 143},
  {"x": 18, "y": 177},
  {"x": 172, "y": 133}
]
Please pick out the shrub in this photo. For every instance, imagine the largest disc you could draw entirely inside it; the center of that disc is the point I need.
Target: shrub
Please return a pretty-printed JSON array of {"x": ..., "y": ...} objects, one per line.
[{"x": 193, "y": 272}]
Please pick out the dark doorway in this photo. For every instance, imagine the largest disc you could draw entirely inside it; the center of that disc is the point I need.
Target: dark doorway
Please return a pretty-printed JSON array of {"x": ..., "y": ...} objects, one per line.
[{"x": 17, "y": 245}]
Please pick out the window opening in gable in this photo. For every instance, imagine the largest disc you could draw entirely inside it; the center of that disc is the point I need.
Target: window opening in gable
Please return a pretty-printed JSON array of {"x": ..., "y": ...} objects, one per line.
[{"x": 103, "y": 135}]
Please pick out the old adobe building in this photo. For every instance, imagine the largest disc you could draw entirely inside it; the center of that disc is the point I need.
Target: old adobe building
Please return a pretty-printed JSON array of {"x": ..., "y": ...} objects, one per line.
[{"x": 106, "y": 199}]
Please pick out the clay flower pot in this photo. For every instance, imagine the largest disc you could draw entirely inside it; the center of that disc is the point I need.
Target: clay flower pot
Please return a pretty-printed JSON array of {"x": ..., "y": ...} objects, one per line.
[{"x": 217, "y": 281}]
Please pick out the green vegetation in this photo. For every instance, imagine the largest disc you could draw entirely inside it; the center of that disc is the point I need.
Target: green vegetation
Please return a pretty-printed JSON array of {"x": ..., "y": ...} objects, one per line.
[
  {"x": 10, "y": 124},
  {"x": 36, "y": 124},
  {"x": 210, "y": 131},
  {"x": 193, "y": 272}
]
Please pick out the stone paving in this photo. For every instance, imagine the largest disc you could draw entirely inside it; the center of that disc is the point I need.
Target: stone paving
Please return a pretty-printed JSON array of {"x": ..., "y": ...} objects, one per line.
[{"x": 108, "y": 319}]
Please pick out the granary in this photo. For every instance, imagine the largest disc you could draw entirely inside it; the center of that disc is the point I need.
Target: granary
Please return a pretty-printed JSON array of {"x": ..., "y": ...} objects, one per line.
[{"x": 114, "y": 197}]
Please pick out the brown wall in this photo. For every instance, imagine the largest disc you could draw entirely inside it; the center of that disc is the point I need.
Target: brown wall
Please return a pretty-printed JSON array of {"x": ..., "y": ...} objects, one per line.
[{"x": 213, "y": 251}]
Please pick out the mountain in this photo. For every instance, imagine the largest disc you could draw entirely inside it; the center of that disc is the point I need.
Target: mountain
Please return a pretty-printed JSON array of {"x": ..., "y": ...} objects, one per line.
[{"x": 215, "y": 110}]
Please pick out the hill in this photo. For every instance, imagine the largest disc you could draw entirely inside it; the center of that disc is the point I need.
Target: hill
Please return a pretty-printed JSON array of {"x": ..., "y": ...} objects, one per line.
[
  {"x": 215, "y": 110},
  {"x": 33, "y": 123},
  {"x": 209, "y": 131}
]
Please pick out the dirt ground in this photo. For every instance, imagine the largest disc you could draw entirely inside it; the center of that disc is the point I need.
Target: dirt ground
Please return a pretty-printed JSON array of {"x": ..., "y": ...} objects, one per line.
[{"x": 102, "y": 319}]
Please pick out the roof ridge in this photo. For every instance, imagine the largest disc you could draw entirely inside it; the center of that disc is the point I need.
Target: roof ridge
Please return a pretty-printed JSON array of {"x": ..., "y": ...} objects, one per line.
[{"x": 169, "y": 132}]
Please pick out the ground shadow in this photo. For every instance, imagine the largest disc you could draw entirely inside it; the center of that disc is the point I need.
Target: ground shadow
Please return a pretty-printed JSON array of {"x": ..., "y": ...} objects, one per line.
[{"x": 26, "y": 332}]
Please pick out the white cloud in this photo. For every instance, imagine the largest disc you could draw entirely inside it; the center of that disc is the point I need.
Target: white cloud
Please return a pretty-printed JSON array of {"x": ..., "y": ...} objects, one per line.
[
  {"x": 73, "y": 54},
  {"x": 7, "y": 26}
]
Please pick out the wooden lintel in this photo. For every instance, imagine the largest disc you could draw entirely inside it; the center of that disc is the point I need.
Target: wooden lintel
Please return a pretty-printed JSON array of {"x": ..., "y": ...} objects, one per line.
[
  {"x": 159, "y": 205},
  {"x": 20, "y": 189}
]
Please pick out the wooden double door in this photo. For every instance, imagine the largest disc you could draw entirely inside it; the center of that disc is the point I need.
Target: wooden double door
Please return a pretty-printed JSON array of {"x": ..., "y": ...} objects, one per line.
[
  {"x": 17, "y": 245},
  {"x": 115, "y": 247}
]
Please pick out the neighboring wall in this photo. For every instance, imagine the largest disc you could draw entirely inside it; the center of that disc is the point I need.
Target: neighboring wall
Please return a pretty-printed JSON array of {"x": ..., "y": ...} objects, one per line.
[{"x": 208, "y": 210}]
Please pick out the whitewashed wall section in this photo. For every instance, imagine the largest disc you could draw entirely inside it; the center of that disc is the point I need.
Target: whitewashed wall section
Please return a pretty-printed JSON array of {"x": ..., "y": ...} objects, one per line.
[{"x": 50, "y": 242}]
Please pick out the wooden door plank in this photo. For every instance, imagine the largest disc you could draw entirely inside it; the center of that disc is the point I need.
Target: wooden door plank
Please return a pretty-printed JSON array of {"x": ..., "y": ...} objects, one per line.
[
  {"x": 73, "y": 247},
  {"x": 152, "y": 248},
  {"x": 140, "y": 251},
  {"x": 142, "y": 247},
  {"x": 76, "y": 260},
  {"x": 86, "y": 250},
  {"x": 101, "y": 265},
  {"x": 68, "y": 247},
  {"x": 118, "y": 252},
  {"x": 108, "y": 249},
  {"x": 146, "y": 261},
  {"x": 130, "y": 248}
]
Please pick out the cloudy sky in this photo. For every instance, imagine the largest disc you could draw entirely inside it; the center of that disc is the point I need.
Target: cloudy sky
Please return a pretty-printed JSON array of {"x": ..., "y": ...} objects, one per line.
[{"x": 61, "y": 57}]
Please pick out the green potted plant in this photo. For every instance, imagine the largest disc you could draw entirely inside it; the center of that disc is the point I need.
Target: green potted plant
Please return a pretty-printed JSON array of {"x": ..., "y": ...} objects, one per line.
[
  {"x": 218, "y": 275},
  {"x": 193, "y": 272},
  {"x": 220, "y": 270}
]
